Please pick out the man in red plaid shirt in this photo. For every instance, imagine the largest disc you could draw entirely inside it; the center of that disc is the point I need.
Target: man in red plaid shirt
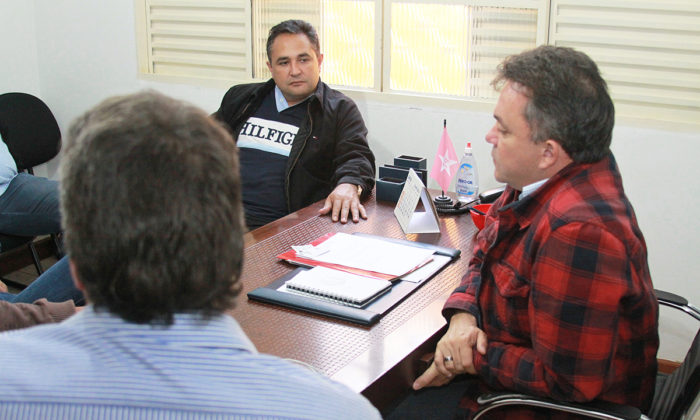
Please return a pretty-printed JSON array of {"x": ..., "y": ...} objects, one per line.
[{"x": 558, "y": 300}]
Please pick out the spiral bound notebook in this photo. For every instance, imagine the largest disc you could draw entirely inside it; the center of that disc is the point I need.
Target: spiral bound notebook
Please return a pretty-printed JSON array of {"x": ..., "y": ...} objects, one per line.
[{"x": 342, "y": 287}]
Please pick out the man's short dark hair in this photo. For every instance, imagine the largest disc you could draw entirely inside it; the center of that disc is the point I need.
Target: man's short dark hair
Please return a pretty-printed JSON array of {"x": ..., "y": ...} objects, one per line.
[
  {"x": 293, "y": 26},
  {"x": 569, "y": 100},
  {"x": 151, "y": 203}
]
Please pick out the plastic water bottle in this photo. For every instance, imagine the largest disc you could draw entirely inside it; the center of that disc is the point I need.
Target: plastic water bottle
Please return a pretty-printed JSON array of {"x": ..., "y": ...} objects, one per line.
[{"x": 467, "y": 177}]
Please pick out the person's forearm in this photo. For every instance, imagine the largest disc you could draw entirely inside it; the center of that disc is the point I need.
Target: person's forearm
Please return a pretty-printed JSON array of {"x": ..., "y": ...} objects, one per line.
[
  {"x": 353, "y": 161},
  {"x": 463, "y": 298},
  {"x": 22, "y": 315}
]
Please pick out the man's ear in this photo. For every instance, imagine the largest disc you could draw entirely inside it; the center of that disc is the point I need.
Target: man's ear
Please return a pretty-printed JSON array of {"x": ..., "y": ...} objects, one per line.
[
  {"x": 76, "y": 278},
  {"x": 553, "y": 157},
  {"x": 551, "y": 153},
  {"x": 269, "y": 67}
]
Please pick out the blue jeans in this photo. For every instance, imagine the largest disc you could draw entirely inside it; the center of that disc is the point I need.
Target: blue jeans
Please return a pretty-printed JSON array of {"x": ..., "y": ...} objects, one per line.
[
  {"x": 29, "y": 207},
  {"x": 55, "y": 284}
]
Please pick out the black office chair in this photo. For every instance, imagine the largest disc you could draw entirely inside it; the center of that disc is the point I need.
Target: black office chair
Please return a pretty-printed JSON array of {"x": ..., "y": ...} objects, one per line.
[
  {"x": 32, "y": 135},
  {"x": 676, "y": 395}
]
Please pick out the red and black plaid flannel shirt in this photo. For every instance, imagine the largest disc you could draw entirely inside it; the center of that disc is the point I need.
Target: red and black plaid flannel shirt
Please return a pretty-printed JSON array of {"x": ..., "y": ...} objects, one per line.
[{"x": 560, "y": 284}]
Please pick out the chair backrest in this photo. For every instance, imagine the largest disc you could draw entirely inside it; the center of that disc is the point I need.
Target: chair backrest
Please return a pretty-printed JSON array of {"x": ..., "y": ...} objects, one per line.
[
  {"x": 29, "y": 129},
  {"x": 679, "y": 390}
]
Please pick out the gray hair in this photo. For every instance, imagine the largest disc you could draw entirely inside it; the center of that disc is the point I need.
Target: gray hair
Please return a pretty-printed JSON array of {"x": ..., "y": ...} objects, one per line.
[
  {"x": 151, "y": 203},
  {"x": 569, "y": 100}
]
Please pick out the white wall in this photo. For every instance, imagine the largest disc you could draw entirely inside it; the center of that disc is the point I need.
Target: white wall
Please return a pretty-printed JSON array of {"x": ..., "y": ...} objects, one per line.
[
  {"x": 75, "y": 53},
  {"x": 19, "y": 71}
]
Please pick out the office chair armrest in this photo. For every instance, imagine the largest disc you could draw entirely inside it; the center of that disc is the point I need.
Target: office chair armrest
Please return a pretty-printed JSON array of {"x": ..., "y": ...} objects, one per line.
[
  {"x": 679, "y": 302},
  {"x": 595, "y": 409}
]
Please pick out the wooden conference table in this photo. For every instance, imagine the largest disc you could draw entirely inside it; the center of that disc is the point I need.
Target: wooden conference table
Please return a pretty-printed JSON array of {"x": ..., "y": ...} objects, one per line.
[{"x": 380, "y": 361}]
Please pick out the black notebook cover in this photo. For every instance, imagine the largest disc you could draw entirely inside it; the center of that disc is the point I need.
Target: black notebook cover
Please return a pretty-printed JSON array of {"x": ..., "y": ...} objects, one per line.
[{"x": 365, "y": 316}]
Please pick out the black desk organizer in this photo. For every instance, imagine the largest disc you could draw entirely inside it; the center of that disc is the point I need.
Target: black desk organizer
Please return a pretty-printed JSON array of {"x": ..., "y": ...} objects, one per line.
[{"x": 391, "y": 178}]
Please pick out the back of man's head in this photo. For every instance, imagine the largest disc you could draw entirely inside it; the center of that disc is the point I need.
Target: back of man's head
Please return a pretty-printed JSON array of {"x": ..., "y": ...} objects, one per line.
[
  {"x": 150, "y": 195},
  {"x": 569, "y": 100}
]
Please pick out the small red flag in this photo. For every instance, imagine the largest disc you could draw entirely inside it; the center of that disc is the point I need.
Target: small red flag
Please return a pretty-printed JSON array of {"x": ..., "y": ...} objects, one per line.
[{"x": 445, "y": 163}]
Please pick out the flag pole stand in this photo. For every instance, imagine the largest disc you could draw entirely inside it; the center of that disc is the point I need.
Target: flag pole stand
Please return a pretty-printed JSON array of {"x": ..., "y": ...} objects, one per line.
[
  {"x": 443, "y": 201},
  {"x": 445, "y": 158}
]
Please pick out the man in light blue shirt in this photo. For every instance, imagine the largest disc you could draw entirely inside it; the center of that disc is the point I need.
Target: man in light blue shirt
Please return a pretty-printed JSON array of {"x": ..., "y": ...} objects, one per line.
[
  {"x": 151, "y": 204},
  {"x": 8, "y": 167}
]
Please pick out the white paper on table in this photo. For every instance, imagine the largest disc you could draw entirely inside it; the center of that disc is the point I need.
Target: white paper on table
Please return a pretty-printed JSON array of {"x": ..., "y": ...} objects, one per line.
[
  {"x": 372, "y": 254},
  {"x": 427, "y": 270}
]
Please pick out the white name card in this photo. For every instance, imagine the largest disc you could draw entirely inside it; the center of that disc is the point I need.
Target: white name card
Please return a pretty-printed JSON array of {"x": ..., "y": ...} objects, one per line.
[{"x": 413, "y": 221}]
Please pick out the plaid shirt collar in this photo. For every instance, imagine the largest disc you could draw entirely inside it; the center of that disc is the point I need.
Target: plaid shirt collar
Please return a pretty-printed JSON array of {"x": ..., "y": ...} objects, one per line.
[{"x": 525, "y": 209}]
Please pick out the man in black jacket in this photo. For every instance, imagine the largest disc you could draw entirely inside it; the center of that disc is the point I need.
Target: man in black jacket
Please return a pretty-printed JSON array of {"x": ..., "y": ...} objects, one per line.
[{"x": 299, "y": 140}]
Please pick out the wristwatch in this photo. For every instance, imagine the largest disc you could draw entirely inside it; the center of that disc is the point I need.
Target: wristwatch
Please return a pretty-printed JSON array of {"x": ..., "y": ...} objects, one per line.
[{"x": 359, "y": 190}]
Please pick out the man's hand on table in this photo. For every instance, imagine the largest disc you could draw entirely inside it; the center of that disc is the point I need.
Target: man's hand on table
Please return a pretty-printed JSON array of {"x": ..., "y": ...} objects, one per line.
[
  {"x": 342, "y": 200},
  {"x": 454, "y": 353}
]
